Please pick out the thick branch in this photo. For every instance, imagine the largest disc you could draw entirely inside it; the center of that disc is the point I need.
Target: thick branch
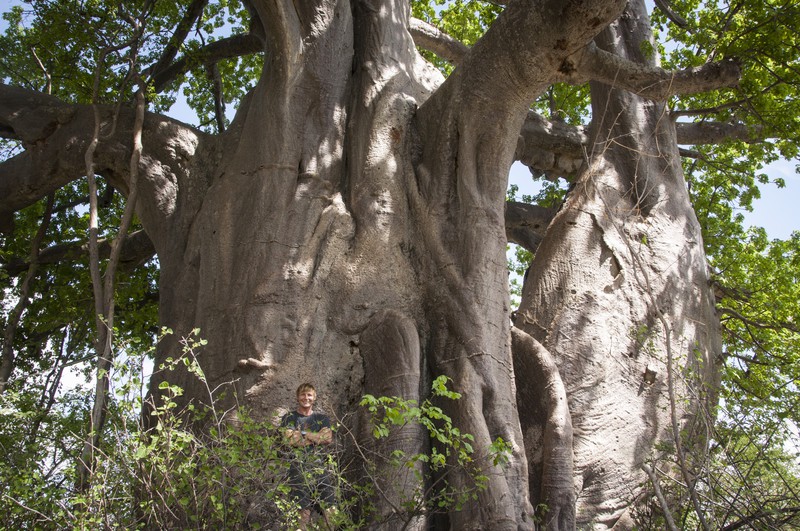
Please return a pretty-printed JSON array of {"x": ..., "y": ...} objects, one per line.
[
  {"x": 553, "y": 148},
  {"x": 233, "y": 46},
  {"x": 138, "y": 248},
  {"x": 697, "y": 133},
  {"x": 51, "y": 159},
  {"x": 521, "y": 54},
  {"x": 557, "y": 150},
  {"x": 526, "y": 224},
  {"x": 56, "y": 136},
  {"x": 433, "y": 39},
  {"x": 648, "y": 81},
  {"x": 28, "y": 115}
]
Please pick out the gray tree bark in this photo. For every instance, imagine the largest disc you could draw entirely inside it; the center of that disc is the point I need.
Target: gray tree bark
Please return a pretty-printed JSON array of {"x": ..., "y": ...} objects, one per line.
[
  {"x": 618, "y": 293},
  {"x": 349, "y": 229}
]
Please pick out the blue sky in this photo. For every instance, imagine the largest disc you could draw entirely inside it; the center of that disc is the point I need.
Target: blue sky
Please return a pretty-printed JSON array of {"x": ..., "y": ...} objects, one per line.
[{"x": 775, "y": 211}]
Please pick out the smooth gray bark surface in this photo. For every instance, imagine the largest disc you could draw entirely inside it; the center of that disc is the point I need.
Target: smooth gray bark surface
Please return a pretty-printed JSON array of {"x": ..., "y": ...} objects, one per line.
[
  {"x": 622, "y": 259},
  {"x": 349, "y": 228}
]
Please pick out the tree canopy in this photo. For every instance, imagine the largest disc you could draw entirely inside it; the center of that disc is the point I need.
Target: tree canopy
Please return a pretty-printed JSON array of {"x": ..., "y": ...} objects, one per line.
[{"x": 727, "y": 73}]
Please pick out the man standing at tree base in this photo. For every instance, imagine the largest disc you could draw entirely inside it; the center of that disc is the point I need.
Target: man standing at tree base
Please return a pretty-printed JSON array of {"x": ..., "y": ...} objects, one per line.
[{"x": 308, "y": 432}]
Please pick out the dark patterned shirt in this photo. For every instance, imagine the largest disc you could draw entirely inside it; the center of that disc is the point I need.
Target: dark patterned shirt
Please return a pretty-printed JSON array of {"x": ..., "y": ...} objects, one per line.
[{"x": 315, "y": 422}]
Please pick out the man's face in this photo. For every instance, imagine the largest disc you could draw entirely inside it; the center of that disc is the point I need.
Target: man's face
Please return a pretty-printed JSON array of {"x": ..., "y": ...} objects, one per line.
[{"x": 306, "y": 398}]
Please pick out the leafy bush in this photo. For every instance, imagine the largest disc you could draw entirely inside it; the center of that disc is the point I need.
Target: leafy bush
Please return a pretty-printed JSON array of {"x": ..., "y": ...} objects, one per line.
[{"x": 231, "y": 474}]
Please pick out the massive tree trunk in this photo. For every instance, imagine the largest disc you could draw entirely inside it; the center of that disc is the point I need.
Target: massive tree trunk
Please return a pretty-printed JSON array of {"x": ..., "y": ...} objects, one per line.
[
  {"x": 618, "y": 293},
  {"x": 348, "y": 229},
  {"x": 320, "y": 211},
  {"x": 342, "y": 192}
]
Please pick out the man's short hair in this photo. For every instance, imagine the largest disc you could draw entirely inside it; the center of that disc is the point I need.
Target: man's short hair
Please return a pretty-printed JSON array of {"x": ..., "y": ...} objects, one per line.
[{"x": 305, "y": 387}]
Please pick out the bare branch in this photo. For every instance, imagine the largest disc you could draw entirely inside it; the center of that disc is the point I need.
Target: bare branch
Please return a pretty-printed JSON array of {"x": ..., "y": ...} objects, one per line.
[
  {"x": 660, "y": 497},
  {"x": 698, "y": 133},
  {"x": 647, "y": 81},
  {"x": 774, "y": 518},
  {"x": 526, "y": 224},
  {"x": 433, "y": 39},
  {"x": 234, "y": 46}
]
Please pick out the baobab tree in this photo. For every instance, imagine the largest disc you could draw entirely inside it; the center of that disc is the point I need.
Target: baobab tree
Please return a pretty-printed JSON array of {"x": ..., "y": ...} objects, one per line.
[{"x": 349, "y": 226}]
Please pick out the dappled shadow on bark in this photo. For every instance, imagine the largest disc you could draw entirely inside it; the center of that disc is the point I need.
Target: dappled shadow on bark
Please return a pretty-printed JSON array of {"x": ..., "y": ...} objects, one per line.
[{"x": 623, "y": 257}]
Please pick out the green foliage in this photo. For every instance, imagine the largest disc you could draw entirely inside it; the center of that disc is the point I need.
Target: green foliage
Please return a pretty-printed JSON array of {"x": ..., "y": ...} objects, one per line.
[
  {"x": 465, "y": 21},
  {"x": 229, "y": 474},
  {"x": 763, "y": 36},
  {"x": 570, "y": 104},
  {"x": 57, "y": 327},
  {"x": 450, "y": 449},
  {"x": 758, "y": 285}
]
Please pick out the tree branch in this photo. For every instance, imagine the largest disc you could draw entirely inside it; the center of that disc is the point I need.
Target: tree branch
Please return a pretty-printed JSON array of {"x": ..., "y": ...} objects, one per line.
[
  {"x": 28, "y": 115},
  {"x": 526, "y": 224},
  {"x": 786, "y": 513},
  {"x": 53, "y": 155},
  {"x": 662, "y": 501},
  {"x": 647, "y": 81},
  {"x": 764, "y": 326},
  {"x": 553, "y": 148},
  {"x": 233, "y": 46},
  {"x": 519, "y": 57},
  {"x": 138, "y": 248},
  {"x": 665, "y": 8},
  {"x": 698, "y": 133},
  {"x": 56, "y": 136},
  {"x": 219, "y": 98},
  {"x": 433, "y": 39},
  {"x": 193, "y": 12}
]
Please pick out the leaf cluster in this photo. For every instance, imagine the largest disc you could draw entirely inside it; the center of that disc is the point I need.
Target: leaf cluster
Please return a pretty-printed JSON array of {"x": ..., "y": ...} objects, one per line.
[
  {"x": 59, "y": 319},
  {"x": 763, "y": 37},
  {"x": 450, "y": 448}
]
